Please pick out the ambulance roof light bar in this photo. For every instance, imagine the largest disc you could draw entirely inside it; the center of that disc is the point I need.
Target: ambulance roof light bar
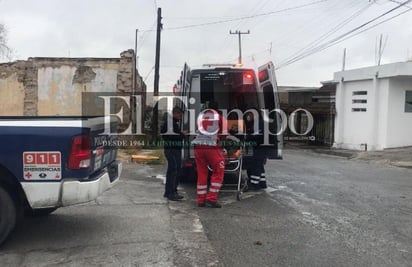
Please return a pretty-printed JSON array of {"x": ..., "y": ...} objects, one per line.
[{"x": 223, "y": 65}]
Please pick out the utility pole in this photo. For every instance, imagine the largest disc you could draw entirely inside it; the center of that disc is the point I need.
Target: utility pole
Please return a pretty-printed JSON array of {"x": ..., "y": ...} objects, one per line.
[
  {"x": 380, "y": 51},
  {"x": 135, "y": 63},
  {"x": 156, "y": 74},
  {"x": 344, "y": 59},
  {"x": 239, "y": 33},
  {"x": 157, "y": 59},
  {"x": 132, "y": 100}
]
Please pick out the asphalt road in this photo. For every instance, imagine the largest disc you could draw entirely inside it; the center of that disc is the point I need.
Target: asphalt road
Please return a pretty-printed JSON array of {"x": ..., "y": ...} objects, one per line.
[{"x": 320, "y": 210}]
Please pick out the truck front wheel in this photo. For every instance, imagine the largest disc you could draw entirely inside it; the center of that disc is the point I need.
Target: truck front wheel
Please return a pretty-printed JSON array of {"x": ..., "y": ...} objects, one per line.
[{"x": 7, "y": 214}]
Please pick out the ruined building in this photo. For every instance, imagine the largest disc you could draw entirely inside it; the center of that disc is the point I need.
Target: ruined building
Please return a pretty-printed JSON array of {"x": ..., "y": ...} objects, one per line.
[{"x": 53, "y": 86}]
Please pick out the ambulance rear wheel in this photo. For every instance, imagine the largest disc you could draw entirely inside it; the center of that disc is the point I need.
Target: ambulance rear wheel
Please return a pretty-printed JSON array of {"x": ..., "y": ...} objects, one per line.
[
  {"x": 188, "y": 175},
  {"x": 40, "y": 212},
  {"x": 7, "y": 214}
]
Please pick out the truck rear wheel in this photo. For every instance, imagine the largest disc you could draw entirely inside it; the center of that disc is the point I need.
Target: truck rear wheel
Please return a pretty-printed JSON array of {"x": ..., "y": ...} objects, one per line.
[{"x": 7, "y": 214}]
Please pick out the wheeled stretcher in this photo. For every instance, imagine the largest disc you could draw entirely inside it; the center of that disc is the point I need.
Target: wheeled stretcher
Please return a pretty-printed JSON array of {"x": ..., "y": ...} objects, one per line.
[{"x": 234, "y": 181}]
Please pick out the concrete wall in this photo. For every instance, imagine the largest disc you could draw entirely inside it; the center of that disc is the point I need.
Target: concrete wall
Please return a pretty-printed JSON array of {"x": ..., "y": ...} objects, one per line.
[
  {"x": 380, "y": 114},
  {"x": 352, "y": 127},
  {"x": 384, "y": 124},
  {"x": 54, "y": 86},
  {"x": 60, "y": 88},
  {"x": 11, "y": 94},
  {"x": 399, "y": 131},
  {"x": 363, "y": 130}
]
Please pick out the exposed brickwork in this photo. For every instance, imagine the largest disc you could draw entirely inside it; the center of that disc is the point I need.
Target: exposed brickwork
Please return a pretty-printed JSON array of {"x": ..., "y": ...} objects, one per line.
[
  {"x": 30, "y": 86},
  {"x": 125, "y": 74},
  {"x": 57, "y": 62},
  {"x": 85, "y": 73},
  {"x": 8, "y": 69},
  {"x": 26, "y": 73}
]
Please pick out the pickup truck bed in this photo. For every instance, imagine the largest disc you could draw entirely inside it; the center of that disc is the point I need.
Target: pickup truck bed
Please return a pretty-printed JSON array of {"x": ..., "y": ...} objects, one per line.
[{"x": 50, "y": 162}]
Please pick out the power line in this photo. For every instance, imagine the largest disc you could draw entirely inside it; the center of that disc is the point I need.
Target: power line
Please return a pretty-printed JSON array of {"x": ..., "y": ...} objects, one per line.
[
  {"x": 239, "y": 33},
  {"x": 245, "y": 17},
  {"x": 147, "y": 76},
  {"x": 398, "y": 2},
  {"x": 329, "y": 33},
  {"x": 143, "y": 38},
  {"x": 348, "y": 37},
  {"x": 254, "y": 11},
  {"x": 345, "y": 36},
  {"x": 310, "y": 26}
]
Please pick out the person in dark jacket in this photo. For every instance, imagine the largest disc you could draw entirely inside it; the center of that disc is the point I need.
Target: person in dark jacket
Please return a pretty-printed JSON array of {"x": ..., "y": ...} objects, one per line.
[
  {"x": 173, "y": 143},
  {"x": 256, "y": 168}
]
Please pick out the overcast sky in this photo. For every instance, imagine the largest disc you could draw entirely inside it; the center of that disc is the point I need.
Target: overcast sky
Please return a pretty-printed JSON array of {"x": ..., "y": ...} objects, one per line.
[{"x": 197, "y": 32}]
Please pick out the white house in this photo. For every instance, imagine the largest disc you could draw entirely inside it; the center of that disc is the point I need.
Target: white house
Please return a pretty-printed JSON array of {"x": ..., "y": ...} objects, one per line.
[{"x": 374, "y": 107}]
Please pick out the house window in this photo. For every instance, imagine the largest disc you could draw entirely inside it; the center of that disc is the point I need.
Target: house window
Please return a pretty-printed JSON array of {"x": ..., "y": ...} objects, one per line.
[
  {"x": 358, "y": 109},
  {"x": 408, "y": 101},
  {"x": 359, "y": 101},
  {"x": 359, "y": 92}
]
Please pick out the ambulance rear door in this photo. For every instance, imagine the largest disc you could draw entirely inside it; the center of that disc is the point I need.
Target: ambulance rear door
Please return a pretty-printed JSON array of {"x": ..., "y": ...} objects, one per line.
[
  {"x": 269, "y": 100},
  {"x": 188, "y": 117}
]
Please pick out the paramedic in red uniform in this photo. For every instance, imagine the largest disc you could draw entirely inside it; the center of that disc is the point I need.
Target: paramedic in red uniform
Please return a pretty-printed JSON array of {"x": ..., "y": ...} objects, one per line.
[{"x": 209, "y": 153}]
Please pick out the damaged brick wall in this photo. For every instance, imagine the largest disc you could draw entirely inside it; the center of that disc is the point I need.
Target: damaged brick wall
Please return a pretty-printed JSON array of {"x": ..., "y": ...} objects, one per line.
[
  {"x": 125, "y": 76},
  {"x": 61, "y": 82},
  {"x": 54, "y": 86},
  {"x": 30, "y": 89},
  {"x": 84, "y": 74},
  {"x": 12, "y": 89}
]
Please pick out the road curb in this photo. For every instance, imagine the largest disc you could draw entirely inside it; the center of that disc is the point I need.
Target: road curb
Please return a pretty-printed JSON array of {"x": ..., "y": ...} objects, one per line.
[
  {"x": 344, "y": 154},
  {"x": 402, "y": 164}
]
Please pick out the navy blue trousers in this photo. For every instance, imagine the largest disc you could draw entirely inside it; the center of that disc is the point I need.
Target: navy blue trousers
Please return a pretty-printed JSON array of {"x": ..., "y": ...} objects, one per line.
[{"x": 174, "y": 162}]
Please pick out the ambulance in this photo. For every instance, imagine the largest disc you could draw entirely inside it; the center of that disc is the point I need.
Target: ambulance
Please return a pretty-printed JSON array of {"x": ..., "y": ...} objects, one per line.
[{"x": 237, "y": 91}]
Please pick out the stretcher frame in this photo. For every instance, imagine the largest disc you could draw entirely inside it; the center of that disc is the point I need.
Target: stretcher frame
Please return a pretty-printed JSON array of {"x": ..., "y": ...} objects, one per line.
[{"x": 241, "y": 184}]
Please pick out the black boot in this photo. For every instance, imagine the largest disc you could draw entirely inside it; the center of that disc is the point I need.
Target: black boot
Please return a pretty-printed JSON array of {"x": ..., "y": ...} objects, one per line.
[
  {"x": 263, "y": 185},
  {"x": 211, "y": 204}
]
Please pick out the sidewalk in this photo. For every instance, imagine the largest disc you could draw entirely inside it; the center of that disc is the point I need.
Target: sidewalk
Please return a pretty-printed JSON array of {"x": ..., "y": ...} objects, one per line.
[
  {"x": 400, "y": 157},
  {"x": 176, "y": 222}
]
